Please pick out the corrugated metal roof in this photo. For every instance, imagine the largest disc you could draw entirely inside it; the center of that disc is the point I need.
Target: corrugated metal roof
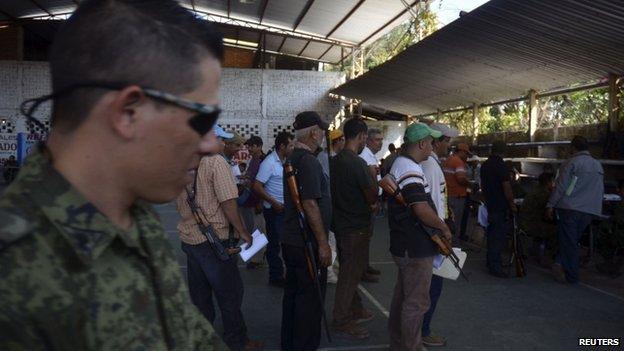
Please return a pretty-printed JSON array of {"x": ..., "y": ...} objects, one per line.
[
  {"x": 329, "y": 24},
  {"x": 499, "y": 51}
]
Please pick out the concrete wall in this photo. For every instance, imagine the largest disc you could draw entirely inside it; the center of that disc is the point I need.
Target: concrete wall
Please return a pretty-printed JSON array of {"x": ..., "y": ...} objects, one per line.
[{"x": 260, "y": 102}]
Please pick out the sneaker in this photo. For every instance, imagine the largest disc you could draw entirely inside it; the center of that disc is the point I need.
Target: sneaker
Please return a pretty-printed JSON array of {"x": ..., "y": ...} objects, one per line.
[
  {"x": 433, "y": 340},
  {"x": 373, "y": 271},
  {"x": 352, "y": 330},
  {"x": 364, "y": 316},
  {"x": 369, "y": 278}
]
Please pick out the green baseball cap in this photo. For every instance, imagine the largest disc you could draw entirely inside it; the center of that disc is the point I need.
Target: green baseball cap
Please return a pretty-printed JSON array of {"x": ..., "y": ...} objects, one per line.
[{"x": 418, "y": 131}]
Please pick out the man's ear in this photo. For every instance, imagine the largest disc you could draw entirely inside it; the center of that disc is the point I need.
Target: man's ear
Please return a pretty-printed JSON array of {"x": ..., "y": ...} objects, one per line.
[{"x": 124, "y": 111}]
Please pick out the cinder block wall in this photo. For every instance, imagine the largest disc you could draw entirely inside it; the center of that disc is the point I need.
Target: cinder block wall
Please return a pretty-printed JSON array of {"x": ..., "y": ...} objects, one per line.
[{"x": 260, "y": 102}]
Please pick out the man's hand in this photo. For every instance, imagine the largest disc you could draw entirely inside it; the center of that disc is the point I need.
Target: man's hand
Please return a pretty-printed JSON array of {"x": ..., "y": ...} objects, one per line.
[
  {"x": 277, "y": 207},
  {"x": 375, "y": 208},
  {"x": 513, "y": 207},
  {"x": 325, "y": 255},
  {"x": 247, "y": 238},
  {"x": 446, "y": 233},
  {"x": 549, "y": 214}
]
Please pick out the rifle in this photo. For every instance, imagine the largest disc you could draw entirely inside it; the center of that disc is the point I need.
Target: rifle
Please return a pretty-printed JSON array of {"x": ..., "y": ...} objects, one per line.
[
  {"x": 517, "y": 256},
  {"x": 310, "y": 257},
  {"x": 390, "y": 187},
  {"x": 205, "y": 228}
]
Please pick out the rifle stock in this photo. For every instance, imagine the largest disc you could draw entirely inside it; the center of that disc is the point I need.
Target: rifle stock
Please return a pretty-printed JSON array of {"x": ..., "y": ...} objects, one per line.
[
  {"x": 518, "y": 257},
  {"x": 310, "y": 256}
]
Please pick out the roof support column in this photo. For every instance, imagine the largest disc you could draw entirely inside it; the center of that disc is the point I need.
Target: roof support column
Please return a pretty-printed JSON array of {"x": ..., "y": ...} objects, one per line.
[
  {"x": 532, "y": 114},
  {"x": 614, "y": 104},
  {"x": 475, "y": 122}
]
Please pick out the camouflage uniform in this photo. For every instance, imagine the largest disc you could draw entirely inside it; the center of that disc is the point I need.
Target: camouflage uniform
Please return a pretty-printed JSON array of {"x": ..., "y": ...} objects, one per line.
[{"x": 71, "y": 280}]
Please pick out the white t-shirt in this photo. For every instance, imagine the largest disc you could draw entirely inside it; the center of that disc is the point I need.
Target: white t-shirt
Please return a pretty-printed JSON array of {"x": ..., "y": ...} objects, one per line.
[
  {"x": 371, "y": 160},
  {"x": 406, "y": 172},
  {"x": 433, "y": 172}
]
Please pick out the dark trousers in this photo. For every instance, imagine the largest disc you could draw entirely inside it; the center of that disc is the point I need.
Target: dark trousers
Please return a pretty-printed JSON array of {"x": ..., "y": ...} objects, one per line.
[
  {"x": 352, "y": 248},
  {"x": 497, "y": 230},
  {"x": 434, "y": 294},
  {"x": 274, "y": 234},
  {"x": 207, "y": 274},
  {"x": 570, "y": 227},
  {"x": 301, "y": 308}
]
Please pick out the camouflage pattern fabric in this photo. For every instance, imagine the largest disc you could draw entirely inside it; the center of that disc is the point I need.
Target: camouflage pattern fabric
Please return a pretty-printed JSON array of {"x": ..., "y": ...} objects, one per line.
[{"x": 71, "y": 280}]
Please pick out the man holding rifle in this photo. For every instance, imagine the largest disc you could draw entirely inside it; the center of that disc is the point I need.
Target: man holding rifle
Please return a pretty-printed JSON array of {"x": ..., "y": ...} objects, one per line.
[
  {"x": 411, "y": 244},
  {"x": 302, "y": 306}
]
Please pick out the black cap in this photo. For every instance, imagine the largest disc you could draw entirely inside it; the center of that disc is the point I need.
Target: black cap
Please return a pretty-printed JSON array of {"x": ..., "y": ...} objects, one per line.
[
  {"x": 254, "y": 140},
  {"x": 308, "y": 119}
]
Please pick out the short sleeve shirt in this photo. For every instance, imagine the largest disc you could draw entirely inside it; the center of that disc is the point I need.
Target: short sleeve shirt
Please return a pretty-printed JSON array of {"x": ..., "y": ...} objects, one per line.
[
  {"x": 452, "y": 167},
  {"x": 407, "y": 235},
  {"x": 313, "y": 185},
  {"x": 494, "y": 173},
  {"x": 271, "y": 174},
  {"x": 350, "y": 177},
  {"x": 371, "y": 160},
  {"x": 435, "y": 177},
  {"x": 215, "y": 184}
]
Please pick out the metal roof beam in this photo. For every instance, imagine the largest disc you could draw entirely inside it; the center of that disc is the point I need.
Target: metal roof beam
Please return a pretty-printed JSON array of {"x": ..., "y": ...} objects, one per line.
[
  {"x": 305, "y": 10},
  {"x": 41, "y": 7},
  {"x": 264, "y": 7},
  {"x": 325, "y": 53},
  {"x": 304, "y": 47},
  {"x": 345, "y": 18}
]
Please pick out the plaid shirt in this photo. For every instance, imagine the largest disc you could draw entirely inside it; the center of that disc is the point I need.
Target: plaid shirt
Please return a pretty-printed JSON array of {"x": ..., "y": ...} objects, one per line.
[{"x": 215, "y": 184}]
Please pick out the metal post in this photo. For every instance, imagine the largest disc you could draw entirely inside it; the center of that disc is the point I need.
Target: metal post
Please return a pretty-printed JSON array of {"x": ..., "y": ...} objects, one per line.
[
  {"x": 532, "y": 114},
  {"x": 614, "y": 104},
  {"x": 352, "y": 63}
]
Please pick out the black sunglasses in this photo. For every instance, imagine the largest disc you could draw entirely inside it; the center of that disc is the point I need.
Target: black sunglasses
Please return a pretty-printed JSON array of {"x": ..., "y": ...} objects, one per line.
[{"x": 202, "y": 122}]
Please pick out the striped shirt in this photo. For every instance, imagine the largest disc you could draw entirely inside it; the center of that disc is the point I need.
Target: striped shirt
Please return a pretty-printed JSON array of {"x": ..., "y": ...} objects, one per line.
[{"x": 215, "y": 184}]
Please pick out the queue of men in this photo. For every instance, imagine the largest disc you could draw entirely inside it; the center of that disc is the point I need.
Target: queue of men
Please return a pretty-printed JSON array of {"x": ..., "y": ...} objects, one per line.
[{"x": 85, "y": 262}]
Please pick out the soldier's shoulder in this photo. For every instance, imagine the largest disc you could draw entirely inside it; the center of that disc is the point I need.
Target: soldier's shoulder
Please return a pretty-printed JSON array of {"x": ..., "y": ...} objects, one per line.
[{"x": 17, "y": 219}]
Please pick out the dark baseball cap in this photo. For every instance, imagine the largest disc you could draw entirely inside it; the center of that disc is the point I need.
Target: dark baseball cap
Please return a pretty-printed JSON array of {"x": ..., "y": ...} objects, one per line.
[{"x": 308, "y": 119}]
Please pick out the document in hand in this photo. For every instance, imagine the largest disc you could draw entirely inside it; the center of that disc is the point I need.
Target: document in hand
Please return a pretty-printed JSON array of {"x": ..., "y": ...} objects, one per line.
[
  {"x": 259, "y": 241},
  {"x": 443, "y": 267}
]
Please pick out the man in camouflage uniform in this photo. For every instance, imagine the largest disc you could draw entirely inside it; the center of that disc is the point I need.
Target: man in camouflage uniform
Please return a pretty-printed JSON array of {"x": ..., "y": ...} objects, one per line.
[{"x": 84, "y": 261}]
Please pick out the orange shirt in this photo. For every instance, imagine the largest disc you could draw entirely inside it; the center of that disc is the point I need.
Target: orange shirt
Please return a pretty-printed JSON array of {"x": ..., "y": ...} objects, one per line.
[{"x": 452, "y": 167}]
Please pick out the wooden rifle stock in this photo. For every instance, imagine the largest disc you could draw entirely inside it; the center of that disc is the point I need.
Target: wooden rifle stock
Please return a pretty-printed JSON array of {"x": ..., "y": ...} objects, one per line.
[
  {"x": 517, "y": 254},
  {"x": 310, "y": 257}
]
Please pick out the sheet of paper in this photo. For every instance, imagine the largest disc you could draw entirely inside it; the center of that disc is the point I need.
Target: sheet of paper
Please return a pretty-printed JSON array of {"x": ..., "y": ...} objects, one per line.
[
  {"x": 447, "y": 269},
  {"x": 259, "y": 241}
]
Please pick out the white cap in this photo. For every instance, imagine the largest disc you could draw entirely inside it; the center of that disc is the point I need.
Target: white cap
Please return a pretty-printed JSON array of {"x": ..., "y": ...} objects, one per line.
[{"x": 445, "y": 130}]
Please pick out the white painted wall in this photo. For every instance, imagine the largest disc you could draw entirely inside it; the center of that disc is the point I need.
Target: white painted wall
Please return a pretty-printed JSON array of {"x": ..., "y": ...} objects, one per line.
[
  {"x": 260, "y": 102},
  {"x": 392, "y": 132}
]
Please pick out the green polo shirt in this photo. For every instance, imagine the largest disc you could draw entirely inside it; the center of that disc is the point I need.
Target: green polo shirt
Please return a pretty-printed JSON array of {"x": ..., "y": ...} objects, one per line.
[
  {"x": 349, "y": 177},
  {"x": 71, "y": 280}
]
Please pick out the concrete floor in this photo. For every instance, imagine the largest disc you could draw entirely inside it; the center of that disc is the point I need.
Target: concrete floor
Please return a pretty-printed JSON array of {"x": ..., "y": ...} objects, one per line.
[{"x": 486, "y": 313}]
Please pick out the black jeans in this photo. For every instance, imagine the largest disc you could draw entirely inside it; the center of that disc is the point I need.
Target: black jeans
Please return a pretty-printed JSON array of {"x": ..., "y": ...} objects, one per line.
[
  {"x": 207, "y": 274},
  {"x": 497, "y": 230},
  {"x": 274, "y": 234},
  {"x": 301, "y": 308},
  {"x": 435, "y": 290}
]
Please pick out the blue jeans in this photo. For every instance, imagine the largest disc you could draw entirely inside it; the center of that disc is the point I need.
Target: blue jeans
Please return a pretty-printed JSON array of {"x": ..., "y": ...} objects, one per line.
[
  {"x": 570, "y": 227},
  {"x": 434, "y": 294},
  {"x": 207, "y": 274},
  {"x": 497, "y": 230},
  {"x": 274, "y": 235}
]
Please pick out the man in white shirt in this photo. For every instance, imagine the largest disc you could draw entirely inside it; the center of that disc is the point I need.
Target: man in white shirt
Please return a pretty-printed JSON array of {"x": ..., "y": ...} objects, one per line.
[
  {"x": 432, "y": 168},
  {"x": 374, "y": 142}
]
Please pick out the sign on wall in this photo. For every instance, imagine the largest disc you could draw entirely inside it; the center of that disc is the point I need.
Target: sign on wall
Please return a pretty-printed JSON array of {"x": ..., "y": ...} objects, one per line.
[
  {"x": 8, "y": 146},
  {"x": 26, "y": 143}
]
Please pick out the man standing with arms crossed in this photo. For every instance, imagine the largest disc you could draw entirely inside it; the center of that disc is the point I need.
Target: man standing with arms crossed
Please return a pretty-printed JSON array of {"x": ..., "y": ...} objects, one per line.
[
  {"x": 86, "y": 264},
  {"x": 432, "y": 167},
  {"x": 374, "y": 142},
  {"x": 353, "y": 194},
  {"x": 411, "y": 246},
  {"x": 457, "y": 183}
]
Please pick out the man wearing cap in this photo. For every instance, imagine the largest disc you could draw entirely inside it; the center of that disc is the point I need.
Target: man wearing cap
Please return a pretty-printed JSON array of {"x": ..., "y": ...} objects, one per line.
[
  {"x": 410, "y": 243},
  {"x": 353, "y": 194},
  {"x": 269, "y": 186},
  {"x": 301, "y": 308},
  {"x": 215, "y": 194},
  {"x": 457, "y": 183},
  {"x": 432, "y": 167}
]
